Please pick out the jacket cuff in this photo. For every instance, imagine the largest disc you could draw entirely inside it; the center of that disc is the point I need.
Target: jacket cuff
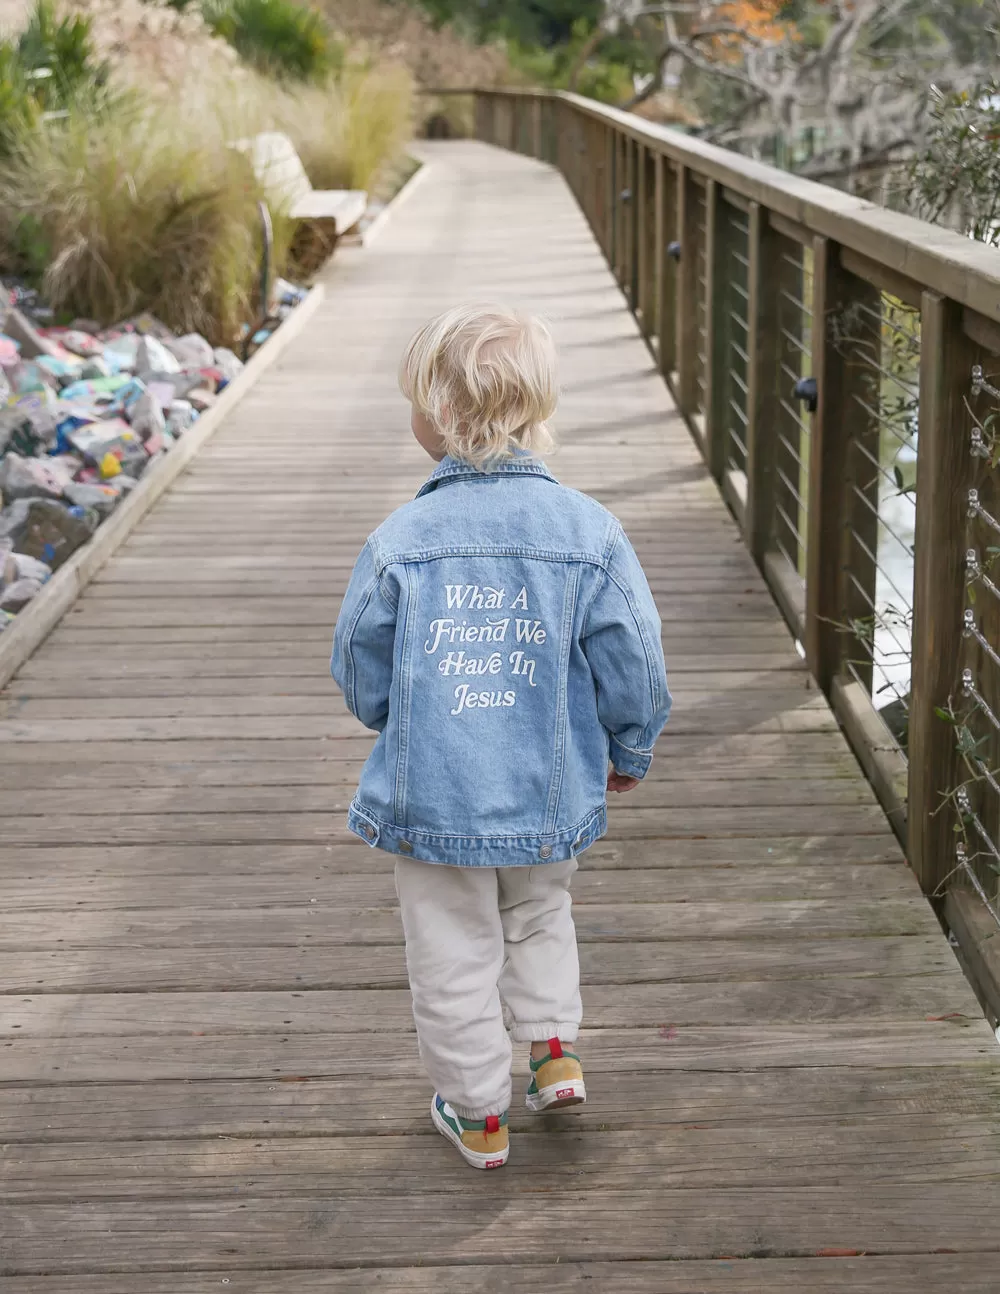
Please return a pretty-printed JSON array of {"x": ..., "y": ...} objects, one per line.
[{"x": 630, "y": 763}]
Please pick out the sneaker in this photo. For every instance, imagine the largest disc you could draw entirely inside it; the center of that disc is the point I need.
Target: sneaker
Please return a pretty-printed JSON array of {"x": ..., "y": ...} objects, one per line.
[
  {"x": 556, "y": 1081},
  {"x": 482, "y": 1143}
]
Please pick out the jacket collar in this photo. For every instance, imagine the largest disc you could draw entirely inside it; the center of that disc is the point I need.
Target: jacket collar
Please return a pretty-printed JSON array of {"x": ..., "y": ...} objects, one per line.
[{"x": 453, "y": 469}]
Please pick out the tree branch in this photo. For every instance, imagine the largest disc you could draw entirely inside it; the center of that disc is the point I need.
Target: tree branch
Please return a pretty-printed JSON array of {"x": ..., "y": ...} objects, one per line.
[{"x": 583, "y": 54}]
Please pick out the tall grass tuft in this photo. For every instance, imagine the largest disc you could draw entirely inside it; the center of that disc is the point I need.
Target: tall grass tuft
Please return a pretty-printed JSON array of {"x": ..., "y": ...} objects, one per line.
[
  {"x": 132, "y": 210},
  {"x": 349, "y": 130}
]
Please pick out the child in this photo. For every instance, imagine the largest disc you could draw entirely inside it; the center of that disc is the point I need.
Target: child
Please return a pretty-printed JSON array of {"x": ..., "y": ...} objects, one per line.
[{"x": 499, "y": 635}]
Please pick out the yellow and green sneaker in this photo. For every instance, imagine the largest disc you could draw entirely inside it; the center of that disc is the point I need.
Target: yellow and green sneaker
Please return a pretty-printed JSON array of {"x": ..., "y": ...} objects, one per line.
[
  {"x": 482, "y": 1144},
  {"x": 556, "y": 1081}
]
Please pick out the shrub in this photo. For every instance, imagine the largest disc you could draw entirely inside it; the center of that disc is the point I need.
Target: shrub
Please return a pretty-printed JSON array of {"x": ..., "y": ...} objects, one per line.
[
  {"x": 404, "y": 33},
  {"x": 50, "y": 65},
  {"x": 117, "y": 212},
  {"x": 61, "y": 47},
  {"x": 350, "y": 129},
  {"x": 276, "y": 36}
]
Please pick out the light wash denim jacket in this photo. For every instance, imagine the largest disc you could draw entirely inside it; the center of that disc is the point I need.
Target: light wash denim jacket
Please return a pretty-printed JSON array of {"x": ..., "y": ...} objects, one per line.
[{"x": 500, "y": 637}]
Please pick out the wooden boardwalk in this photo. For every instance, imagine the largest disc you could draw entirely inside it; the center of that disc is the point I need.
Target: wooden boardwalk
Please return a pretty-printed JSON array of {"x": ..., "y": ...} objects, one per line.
[{"x": 210, "y": 1079}]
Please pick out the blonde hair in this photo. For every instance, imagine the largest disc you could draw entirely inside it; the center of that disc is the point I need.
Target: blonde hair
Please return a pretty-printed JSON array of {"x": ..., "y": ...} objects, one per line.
[{"x": 485, "y": 376}]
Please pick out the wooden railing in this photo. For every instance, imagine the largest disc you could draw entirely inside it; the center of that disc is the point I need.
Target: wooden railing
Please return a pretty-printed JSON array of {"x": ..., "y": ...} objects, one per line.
[{"x": 815, "y": 343}]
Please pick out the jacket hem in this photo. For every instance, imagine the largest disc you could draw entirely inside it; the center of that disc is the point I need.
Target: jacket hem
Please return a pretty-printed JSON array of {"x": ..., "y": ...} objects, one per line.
[{"x": 531, "y": 850}]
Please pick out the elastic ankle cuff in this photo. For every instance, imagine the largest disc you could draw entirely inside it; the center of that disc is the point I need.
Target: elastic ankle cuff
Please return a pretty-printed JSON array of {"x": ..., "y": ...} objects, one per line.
[
  {"x": 476, "y": 1113},
  {"x": 543, "y": 1032}
]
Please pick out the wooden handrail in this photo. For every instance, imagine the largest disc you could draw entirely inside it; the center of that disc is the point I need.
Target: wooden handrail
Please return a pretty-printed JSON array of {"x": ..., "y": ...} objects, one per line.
[
  {"x": 957, "y": 267},
  {"x": 806, "y": 333}
]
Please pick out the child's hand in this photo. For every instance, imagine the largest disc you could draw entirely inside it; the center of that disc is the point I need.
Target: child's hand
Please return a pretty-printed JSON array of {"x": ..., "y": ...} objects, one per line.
[{"x": 620, "y": 783}]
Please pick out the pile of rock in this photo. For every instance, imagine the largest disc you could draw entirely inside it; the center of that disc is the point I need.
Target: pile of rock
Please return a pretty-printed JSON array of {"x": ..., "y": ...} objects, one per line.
[{"x": 83, "y": 413}]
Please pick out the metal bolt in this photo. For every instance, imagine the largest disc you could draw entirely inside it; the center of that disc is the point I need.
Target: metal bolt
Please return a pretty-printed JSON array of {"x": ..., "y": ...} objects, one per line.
[
  {"x": 674, "y": 251},
  {"x": 807, "y": 391}
]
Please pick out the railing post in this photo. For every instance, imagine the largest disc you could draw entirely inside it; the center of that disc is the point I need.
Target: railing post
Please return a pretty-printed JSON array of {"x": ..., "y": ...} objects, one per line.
[
  {"x": 666, "y": 274},
  {"x": 608, "y": 196},
  {"x": 839, "y": 420},
  {"x": 716, "y": 331},
  {"x": 618, "y": 209},
  {"x": 659, "y": 255},
  {"x": 946, "y": 359},
  {"x": 763, "y": 341},
  {"x": 628, "y": 216},
  {"x": 536, "y": 127},
  {"x": 686, "y": 335},
  {"x": 641, "y": 237},
  {"x": 598, "y": 185}
]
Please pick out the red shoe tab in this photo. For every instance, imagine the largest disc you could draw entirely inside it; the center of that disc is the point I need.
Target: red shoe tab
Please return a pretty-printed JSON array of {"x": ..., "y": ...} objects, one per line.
[
  {"x": 555, "y": 1049},
  {"x": 492, "y": 1123}
]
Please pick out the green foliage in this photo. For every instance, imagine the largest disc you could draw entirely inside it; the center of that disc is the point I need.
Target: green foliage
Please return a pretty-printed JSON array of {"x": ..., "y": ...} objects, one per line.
[
  {"x": 607, "y": 78},
  {"x": 59, "y": 46},
  {"x": 544, "y": 23},
  {"x": 19, "y": 106},
  {"x": 49, "y": 67},
  {"x": 955, "y": 176},
  {"x": 278, "y": 37}
]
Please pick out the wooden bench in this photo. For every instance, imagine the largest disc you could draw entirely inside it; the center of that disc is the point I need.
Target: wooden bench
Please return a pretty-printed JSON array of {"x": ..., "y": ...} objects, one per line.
[{"x": 279, "y": 169}]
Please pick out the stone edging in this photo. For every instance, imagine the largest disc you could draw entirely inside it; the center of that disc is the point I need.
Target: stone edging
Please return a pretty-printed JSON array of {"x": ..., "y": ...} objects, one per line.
[{"x": 32, "y": 625}]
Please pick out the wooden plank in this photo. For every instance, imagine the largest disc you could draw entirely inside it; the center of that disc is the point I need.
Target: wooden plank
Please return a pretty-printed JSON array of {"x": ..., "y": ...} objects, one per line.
[
  {"x": 237, "y": 888},
  {"x": 57, "y": 1016},
  {"x": 300, "y": 967},
  {"x": 872, "y": 1274},
  {"x": 829, "y": 779},
  {"x": 329, "y": 827},
  {"x": 789, "y": 591},
  {"x": 790, "y": 229},
  {"x": 334, "y": 795},
  {"x": 943, "y": 473},
  {"x": 128, "y": 1236},
  {"x": 881, "y": 276},
  {"x": 71, "y": 857},
  {"x": 907, "y": 1150},
  {"x": 183, "y": 927},
  {"x": 260, "y": 724},
  {"x": 978, "y": 935},
  {"x": 688, "y": 1082},
  {"x": 877, "y": 749},
  {"x": 983, "y": 331}
]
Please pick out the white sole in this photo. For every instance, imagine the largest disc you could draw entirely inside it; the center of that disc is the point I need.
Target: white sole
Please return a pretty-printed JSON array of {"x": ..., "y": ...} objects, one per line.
[
  {"x": 473, "y": 1157},
  {"x": 558, "y": 1096}
]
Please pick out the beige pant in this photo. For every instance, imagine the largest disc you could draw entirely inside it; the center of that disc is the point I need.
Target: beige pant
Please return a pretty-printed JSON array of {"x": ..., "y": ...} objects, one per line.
[{"x": 485, "y": 944}]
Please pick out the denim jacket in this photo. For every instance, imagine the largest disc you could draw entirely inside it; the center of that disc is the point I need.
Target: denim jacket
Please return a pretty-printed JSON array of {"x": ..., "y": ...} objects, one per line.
[{"x": 499, "y": 635}]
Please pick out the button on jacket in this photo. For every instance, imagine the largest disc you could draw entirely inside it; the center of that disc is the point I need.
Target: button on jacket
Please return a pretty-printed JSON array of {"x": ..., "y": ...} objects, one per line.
[{"x": 499, "y": 635}]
